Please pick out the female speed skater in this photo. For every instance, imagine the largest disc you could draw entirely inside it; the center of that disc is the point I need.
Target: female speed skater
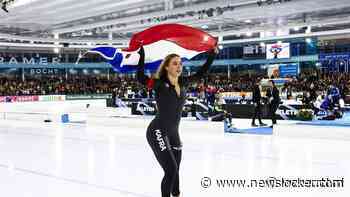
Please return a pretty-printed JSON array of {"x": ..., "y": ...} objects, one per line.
[{"x": 163, "y": 131}]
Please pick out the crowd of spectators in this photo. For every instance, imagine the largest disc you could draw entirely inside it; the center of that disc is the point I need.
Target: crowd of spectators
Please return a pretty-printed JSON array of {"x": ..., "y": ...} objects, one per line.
[
  {"x": 51, "y": 85},
  {"x": 128, "y": 87}
]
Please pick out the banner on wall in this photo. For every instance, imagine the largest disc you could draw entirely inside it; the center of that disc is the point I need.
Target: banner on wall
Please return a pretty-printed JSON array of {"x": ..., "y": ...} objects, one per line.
[
  {"x": 88, "y": 96},
  {"x": 289, "y": 70},
  {"x": 32, "y": 60},
  {"x": 254, "y": 52},
  {"x": 283, "y": 70},
  {"x": 52, "y": 98},
  {"x": 12, "y": 99},
  {"x": 334, "y": 56},
  {"x": 278, "y": 51},
  {"x": 335, "y": 62},
  {"x": 44, "y": 71},
  {"x": 236, "y": 95}
]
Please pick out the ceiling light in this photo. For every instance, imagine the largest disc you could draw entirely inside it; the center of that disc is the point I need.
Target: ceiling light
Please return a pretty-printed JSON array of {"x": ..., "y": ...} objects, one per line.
[{"x": 56, "y": 50}]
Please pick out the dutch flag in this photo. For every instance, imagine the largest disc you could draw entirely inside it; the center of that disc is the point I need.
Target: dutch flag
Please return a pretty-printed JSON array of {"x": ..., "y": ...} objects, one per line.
[{"x": 158, "y": 42}]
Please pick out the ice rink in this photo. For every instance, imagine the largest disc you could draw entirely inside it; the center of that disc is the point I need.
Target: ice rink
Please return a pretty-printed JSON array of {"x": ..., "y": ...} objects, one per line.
[{"x": 107, "y": 156}]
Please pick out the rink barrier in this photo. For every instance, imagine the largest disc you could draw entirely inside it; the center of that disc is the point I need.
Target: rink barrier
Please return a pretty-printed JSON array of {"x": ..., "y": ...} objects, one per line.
[{"x": 76, "y": 110}]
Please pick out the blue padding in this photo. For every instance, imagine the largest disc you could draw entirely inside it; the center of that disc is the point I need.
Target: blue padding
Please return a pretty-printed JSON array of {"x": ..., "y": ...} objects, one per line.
[{"x": 64, "y": 118}]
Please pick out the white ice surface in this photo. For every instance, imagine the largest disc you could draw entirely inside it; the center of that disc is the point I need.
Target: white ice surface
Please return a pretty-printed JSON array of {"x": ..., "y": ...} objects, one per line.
[{"x": 110, "y": 157}]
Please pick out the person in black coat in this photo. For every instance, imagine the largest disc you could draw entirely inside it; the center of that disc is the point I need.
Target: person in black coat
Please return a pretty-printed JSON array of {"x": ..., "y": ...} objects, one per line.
[
  {"x": 257, "y": 105},
  {"x": 275, "y": 101}
]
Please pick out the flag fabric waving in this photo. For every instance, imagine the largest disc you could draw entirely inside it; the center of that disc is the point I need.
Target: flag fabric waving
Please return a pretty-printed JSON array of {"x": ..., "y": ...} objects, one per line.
[{"x": 158, "y": 42}]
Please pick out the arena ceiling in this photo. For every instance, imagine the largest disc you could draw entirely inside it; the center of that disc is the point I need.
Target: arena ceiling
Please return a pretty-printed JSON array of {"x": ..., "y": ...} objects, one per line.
[{"x": 110, "y": 21}]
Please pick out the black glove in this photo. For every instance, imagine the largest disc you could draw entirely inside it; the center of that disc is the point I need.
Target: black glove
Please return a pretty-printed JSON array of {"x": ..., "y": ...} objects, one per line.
[{"x": 141, "y": 51}]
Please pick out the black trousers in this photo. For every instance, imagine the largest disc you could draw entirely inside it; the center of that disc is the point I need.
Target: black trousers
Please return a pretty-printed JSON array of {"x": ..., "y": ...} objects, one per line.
[
  {"x": 273, "y": 109},
  {"x": 257, "y": 113},
  {"x": 169, "y": 158}
]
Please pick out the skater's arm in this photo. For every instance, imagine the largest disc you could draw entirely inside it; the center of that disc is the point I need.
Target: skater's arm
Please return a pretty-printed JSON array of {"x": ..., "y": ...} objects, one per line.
[
  {"x": 204, "y": 68},
  {"x": 141, "y": 77}
]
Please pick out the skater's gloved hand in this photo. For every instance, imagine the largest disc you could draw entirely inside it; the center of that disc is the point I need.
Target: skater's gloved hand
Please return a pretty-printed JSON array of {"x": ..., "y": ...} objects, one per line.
[
  {"x": 141, "y": 51},
  {"x": 216, "y": 50}
]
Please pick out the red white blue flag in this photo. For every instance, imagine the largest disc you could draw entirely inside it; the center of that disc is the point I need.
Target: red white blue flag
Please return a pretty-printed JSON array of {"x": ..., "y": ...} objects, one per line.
[{"x": 158, "y": 42}]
